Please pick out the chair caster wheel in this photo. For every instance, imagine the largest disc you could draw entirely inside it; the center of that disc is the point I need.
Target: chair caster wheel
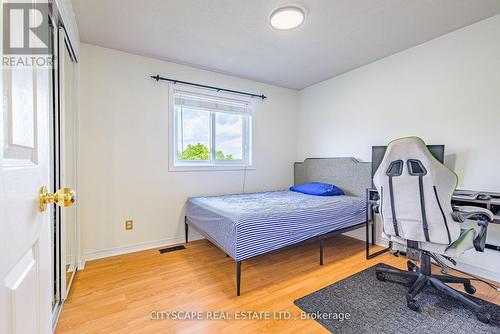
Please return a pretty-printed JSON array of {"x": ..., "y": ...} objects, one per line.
[
  {"x": 484, "y": 317},
  {"x": 412, "y": 303},
  {"x": 381, "y": 276},
  {"x": 411, "y": 266},
  {"x": 470, "y": 289}
]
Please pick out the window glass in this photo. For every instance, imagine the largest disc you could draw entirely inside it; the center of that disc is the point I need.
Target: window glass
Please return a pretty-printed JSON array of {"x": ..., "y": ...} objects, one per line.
[
  {"x": 228, "y": 136},
  {"x": 193, "y": 134}
]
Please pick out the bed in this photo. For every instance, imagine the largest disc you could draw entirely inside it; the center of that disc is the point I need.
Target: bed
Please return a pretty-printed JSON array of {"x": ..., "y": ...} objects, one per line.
[{"x": 249, "y": 225}]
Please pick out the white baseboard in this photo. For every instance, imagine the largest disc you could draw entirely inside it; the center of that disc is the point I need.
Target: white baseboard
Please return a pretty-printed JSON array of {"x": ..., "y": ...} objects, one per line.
[
  {"x": 99, "y": 254},
  {"x": 477, "y": 271},
  {"x": 360, "y": 235}
]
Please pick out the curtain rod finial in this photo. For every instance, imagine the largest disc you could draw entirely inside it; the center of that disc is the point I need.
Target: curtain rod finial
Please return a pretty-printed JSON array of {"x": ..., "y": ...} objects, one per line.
[{"x": 156, "y": 77}]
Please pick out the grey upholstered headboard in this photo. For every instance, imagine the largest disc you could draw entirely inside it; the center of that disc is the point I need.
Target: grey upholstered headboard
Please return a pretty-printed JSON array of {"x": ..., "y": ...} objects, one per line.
[{"x": 349, "y": 174}]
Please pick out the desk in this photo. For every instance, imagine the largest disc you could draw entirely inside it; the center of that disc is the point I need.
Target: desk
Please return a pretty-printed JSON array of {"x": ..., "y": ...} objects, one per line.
[{"x": 488, "y": 200}]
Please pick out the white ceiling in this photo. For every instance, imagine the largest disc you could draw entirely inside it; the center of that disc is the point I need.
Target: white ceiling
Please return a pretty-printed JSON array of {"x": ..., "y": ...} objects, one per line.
[{"x": 234, "y": 36}]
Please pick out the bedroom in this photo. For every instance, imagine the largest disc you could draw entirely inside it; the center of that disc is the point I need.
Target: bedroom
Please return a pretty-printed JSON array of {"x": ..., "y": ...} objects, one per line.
[{"x": 152, "y": 104}]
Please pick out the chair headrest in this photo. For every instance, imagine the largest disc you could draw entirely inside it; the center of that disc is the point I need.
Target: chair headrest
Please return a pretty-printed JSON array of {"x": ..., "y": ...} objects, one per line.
[
  {"x": 410, "y": 156},
  {"x": 409, "y": 148}
]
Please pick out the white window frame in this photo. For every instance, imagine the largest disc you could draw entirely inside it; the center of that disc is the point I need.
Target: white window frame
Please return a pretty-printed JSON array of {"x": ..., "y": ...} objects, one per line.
[{"x": 248, "y": 131}]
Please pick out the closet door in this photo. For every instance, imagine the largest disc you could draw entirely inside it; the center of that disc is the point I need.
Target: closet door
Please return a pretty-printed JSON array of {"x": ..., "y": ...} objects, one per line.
[
  {"x": 63, "y": 169},
  {"x": 68, "y": 90}
]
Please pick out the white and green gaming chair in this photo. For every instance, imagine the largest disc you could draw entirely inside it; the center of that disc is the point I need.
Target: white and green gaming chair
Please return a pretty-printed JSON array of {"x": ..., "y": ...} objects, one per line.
[{"x": 415, "y": 191}]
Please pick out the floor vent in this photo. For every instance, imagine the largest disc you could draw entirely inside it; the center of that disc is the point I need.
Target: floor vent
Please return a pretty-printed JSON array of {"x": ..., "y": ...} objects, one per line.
[{"x": 171, "y": 249}]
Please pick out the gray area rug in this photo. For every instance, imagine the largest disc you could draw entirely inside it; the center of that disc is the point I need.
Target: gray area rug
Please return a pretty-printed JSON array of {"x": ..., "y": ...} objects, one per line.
[{"x": 380, "y": 307}]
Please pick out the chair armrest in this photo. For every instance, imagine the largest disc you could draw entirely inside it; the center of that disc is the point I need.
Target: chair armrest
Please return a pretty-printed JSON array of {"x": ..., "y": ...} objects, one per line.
[
  {"x": 462, "y": 213},
  {"x": 482, "y": 216},
  {"x": 480, "y": 240}
]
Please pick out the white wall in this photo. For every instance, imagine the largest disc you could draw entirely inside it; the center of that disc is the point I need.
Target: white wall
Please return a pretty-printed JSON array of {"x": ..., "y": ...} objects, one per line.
[
  {"x": 446, "y": 91},
  {"x": 123, "y": 158}
]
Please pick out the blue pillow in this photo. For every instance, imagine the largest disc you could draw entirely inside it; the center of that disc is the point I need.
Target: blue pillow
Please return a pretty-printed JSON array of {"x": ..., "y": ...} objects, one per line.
[{"x": 318, "y": 189}]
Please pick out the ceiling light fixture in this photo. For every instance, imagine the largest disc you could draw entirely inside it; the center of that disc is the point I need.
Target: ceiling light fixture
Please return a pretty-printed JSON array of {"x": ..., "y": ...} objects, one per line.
[{"x": 287, "y": 17}]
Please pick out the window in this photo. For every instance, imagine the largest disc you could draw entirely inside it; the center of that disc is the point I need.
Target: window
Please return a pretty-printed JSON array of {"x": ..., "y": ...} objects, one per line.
[{"x": 209, "y": 130}]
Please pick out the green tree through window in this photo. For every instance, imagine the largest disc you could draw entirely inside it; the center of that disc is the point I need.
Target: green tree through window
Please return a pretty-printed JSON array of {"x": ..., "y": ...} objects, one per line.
[
  {"x": 201, "y": 152},
  {"x": 219, "y": 155}
]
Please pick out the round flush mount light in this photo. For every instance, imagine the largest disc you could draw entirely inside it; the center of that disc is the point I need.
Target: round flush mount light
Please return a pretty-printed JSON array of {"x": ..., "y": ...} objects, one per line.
[{"x": 286, "y": 18}]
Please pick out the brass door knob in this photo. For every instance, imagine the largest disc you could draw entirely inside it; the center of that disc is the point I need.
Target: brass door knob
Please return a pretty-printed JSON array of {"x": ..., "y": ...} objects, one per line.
[{"x": 63, "y": 197}]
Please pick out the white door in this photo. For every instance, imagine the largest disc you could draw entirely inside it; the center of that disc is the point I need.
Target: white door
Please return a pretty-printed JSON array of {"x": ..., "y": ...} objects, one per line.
[
  {"x": 25, "y": 246},
  {"x": 25, "y": 297}
]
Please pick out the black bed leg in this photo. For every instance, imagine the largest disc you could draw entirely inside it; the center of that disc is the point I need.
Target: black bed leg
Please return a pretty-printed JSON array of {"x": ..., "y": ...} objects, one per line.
[
  {"x": 238, "y": 277},
  {"x": 186, "y": 228},
  {"x": 321, "y": 252}
]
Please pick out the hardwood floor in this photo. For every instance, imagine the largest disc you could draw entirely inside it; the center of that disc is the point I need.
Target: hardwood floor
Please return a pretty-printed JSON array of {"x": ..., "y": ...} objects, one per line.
[{"x": 117, "y": 294}]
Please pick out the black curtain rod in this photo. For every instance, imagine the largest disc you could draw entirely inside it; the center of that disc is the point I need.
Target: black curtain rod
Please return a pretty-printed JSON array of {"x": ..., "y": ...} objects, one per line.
[{"x": 158, "y": 78}]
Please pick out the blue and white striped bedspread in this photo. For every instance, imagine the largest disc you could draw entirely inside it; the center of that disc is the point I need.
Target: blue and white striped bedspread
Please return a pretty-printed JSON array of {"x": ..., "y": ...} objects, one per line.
[{"x": 247, "y": 225}]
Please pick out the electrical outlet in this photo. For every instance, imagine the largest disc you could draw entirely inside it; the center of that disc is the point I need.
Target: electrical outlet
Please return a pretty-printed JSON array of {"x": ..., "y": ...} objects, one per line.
[{"x": 129, "y": 224}]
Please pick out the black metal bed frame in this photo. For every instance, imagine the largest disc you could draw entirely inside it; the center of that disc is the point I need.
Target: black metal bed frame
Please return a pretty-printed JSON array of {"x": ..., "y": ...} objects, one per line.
[{"x": 369, "y": 221}]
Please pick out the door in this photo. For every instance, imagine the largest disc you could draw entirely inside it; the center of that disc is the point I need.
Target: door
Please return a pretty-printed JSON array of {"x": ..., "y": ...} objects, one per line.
[
  {"x": 68, "y": 88},
  {"x": 25, "y": 238},
  {"x": 63, "y": 169},
  {"x": 24, "y": 230}
]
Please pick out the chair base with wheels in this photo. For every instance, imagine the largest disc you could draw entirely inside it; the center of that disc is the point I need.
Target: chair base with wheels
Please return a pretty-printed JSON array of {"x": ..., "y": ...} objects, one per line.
[{"x": 422, "y": 277}]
